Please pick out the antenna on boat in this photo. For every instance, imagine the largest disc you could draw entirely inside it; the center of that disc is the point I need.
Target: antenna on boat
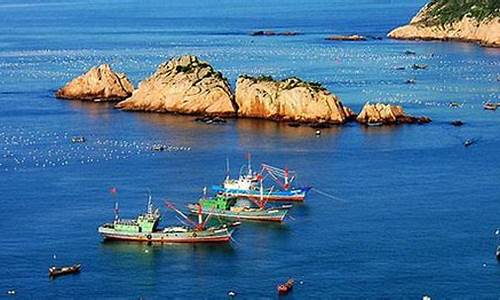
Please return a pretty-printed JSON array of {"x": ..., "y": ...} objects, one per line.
[
  {"x": 117, "y": 211},
  {"x": 150, "y": 202},
  {"x": 227, "y": 168},
  {"x": 286, "y": 179},
  {"x": 249, "y": 158}
]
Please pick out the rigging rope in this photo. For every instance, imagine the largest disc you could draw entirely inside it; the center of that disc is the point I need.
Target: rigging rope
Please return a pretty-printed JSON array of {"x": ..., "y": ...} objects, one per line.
[{"x": 329, "y": 195}]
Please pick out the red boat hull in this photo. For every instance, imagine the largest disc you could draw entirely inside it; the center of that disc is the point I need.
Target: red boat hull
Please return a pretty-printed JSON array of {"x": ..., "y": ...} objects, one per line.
[{"x": 192, "y": 240}]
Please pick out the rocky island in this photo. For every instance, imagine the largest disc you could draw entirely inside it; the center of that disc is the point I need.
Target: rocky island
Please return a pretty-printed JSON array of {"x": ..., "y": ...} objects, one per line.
[
  {"x": 272, "y": 33},
  {"x": 385, "y": 114},
  {"x": 290, "y": 99},
  {"x": 185, "y": 85},
  {"x": 354, "y": 37},
  {"x": 188, "y": 85},
  {"x": 98, "y": 84},
  {"x": 468, "y": 21}
]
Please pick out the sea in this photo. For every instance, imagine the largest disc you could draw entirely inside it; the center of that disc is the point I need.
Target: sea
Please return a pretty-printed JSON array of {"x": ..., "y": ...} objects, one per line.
[{"x": 396, "y": 212}]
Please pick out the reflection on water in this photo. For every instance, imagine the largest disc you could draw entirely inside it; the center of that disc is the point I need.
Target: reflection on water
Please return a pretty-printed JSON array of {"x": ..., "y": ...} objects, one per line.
[
  {"x": 147, "y": 252},
  {"x": 169, "y": 120},
  {"x": 95, "y": 110},
  {"x": 380, "y": 130},
  {"x": 271, "y": 128}
]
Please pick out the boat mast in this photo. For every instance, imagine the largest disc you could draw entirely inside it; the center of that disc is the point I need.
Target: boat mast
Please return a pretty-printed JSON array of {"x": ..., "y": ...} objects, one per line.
[
  {"x": 150, "y": 204},
  {"x": 227, "y": 168},
  {"x": 249, "y": 156},
  {"x": 261, "y": 203},
  {"x": 200, "y": 216},
  {"x": 117, "y": 211},
  {"x": 286, "y": 179}
]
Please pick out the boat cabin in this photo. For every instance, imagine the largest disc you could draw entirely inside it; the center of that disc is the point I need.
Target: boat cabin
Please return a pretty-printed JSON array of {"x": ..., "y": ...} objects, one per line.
[{"x": 218, "y": 202}]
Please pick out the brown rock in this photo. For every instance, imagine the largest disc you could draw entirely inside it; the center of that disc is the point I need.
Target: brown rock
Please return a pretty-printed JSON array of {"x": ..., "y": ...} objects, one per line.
[
  {"x": 288, "y": 100},
  {"x": 353, "y": 37},
  {"x": 183, "y": 85},
  {"x": 486, "y": 32},
  {"x": 99, "y": 83},
  {"x": 387, "y": 114},
  {"x": 271, "y": 33}
]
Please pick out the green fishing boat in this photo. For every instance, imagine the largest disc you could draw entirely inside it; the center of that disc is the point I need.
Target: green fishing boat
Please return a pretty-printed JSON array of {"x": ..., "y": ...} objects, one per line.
[
  {"x": 145, "y": 228},
  {"x": 235, "y": 209}
]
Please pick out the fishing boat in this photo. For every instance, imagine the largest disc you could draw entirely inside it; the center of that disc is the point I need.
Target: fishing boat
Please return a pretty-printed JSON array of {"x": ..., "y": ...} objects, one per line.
[
  {"x": 285, "y": 287},
  {"x": 145, "y": 228},
  {"x": 78, "y": 139},
  {"x": 247, "y": 184},
  {"x": 490, "y": 106},
  {"x": 57, "y": 271},
  {"x": 468, "y": 143},
  {"x": 230, "y": 208}
]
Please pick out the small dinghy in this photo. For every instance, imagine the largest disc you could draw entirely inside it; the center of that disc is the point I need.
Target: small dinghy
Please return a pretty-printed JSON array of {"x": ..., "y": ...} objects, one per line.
[
  {"x": 490, "y": 106},
  {"x": 468, "y": 143},
  {"x": 455, "y": 104},
  {"x": 56, "y": 271},
  {"x": 158, "y": 147},
  {"x": 497, "y": 253},
  {"x": 286, "y": 287},
  {"x": 78, "y": 139}
]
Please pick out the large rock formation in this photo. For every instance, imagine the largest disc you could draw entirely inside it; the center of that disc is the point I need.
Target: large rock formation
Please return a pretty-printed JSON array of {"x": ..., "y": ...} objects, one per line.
[
  {"x": 448, "y": 20},
  {"x": 99, "y": 83},
  {"x": 380, "y": 113},
  {"x": 183, "y": 85},
  {"x": 288, "y": 100}
]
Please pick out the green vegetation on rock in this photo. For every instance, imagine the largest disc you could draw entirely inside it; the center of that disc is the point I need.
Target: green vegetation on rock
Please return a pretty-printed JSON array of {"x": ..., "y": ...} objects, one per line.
[
  {"x": 290, "y": 83},
  {"x": 443, "y": 12}
]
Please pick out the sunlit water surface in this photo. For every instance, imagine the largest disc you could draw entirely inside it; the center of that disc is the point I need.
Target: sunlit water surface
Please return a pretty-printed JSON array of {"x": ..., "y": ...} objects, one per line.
[{"x": 414, "y": 211}]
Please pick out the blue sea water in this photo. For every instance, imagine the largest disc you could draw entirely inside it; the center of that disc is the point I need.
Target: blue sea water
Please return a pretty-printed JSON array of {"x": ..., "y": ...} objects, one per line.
[{"x": 414, "y": 211}]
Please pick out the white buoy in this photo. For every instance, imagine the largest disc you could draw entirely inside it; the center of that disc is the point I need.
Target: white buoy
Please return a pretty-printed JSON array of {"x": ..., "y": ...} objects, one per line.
[
  {"x": 318, "y": 132},
  {"x": 231, "y": 294},
  {"x": 425, "y": 297}
]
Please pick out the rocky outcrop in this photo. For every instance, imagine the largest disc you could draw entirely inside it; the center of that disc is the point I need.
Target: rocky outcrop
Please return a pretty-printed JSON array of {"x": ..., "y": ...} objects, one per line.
[
  {"x": 468, "y": 29},
  {"x": 380, "y": 113},
  {"x": 288, "y": 100},
  {"x": 353, "y": 37},
  {"x": 271, "y": 33},
  {"x": 185, "y": 85},
  {"x": 99, "y": 83}
]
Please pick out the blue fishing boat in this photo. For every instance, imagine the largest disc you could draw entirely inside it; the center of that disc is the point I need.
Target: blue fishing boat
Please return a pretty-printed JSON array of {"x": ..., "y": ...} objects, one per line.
[{"x": 249, "y": 184}]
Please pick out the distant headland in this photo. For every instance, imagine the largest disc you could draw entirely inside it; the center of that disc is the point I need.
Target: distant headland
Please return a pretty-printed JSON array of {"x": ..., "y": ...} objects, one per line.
[{"x": 459, "y": 20}]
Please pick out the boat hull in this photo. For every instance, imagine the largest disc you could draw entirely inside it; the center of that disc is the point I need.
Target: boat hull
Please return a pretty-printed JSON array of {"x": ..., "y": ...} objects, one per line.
[
  {"x": 268, "y": 215},
  {"x": 296, "y": 195},
  {"x": 209, "y": 236}
]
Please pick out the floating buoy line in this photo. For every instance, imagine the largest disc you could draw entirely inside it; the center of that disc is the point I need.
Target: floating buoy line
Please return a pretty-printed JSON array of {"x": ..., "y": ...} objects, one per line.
[{"x": 23, "y": 149}]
